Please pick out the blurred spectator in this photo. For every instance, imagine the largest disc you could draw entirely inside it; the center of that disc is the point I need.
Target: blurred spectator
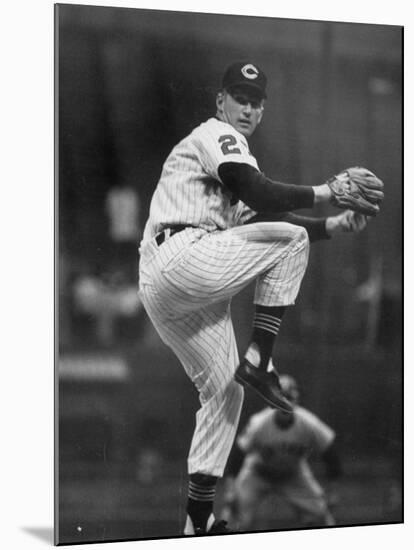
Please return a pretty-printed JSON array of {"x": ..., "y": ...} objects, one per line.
[
  {"x": 384, "y": 310},
  {"x": 123, "y": 209},
  {"x": 107, "y": 299}
]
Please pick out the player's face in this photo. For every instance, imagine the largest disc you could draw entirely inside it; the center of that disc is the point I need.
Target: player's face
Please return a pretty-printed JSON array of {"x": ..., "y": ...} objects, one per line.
[{"x": 241, "y": 109}]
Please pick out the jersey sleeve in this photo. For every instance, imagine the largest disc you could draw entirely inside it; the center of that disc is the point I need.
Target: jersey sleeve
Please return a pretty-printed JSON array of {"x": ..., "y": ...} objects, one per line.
[
  {"x": 321, "y": 434},
  {"x": 219, "y": 143}
]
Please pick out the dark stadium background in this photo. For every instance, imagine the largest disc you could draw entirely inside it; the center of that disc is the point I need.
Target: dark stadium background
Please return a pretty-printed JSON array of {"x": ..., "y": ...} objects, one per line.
[{"x": 131, "y": 83}]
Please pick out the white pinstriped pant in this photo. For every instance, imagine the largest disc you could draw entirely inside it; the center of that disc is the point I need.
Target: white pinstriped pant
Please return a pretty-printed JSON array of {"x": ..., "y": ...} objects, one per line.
[{"x": 186, "y": 286}]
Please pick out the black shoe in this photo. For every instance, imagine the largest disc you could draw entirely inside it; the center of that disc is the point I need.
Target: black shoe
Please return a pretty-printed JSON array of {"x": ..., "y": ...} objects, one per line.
[
  {"x": 218, "y": 528},
  {"x": 266, "y": 384}
]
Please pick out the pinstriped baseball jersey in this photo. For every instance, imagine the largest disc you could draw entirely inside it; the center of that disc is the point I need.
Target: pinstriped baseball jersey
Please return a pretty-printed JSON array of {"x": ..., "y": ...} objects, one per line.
[{"x": 190, "y": 191}]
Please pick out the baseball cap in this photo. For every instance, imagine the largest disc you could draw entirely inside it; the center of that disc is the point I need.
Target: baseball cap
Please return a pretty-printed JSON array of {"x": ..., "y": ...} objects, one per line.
[{"x": 247, "y": 75}]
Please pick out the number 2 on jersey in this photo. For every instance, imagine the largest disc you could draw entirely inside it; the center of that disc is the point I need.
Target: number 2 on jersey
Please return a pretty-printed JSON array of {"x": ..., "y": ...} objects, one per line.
[{"x": 228, "y": 143}]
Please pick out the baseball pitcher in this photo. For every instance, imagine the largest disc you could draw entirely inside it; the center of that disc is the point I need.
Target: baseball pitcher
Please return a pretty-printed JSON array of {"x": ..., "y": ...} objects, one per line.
[{"x": 217, "y": 223}]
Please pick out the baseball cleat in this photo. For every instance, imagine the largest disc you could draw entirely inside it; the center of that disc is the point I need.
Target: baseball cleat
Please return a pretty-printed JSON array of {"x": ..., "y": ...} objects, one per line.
[
  {"x": 213, "y": 527},
  {"x": 219, "y": 527},
  {"x": 266, "y": 384}
]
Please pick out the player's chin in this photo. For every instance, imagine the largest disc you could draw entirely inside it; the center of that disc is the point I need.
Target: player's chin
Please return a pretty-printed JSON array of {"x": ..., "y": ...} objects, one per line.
[{"x": 245, "y": 128}]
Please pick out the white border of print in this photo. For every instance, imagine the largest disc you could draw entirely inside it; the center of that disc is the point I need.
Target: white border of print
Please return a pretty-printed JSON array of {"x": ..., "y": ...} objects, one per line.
[{"x": 27, "y": 272}]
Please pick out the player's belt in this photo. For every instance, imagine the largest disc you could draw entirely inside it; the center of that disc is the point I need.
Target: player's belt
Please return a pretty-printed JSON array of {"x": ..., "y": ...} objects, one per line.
[{"x": 169, "y": 231}]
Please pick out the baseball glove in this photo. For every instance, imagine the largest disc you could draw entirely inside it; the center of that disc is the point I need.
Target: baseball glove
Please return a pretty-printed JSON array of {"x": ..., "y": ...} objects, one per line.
[{"x": 357, "y": 189}]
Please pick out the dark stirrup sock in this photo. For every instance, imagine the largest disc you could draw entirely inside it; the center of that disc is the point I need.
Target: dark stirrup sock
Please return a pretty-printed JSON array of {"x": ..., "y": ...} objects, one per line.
[
  {"x": 201, "y": 493},
  {"x": 266, "y": 325}
]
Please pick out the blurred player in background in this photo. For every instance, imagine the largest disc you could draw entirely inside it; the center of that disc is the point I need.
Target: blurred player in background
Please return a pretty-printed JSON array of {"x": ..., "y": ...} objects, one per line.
[
  {"x": 270, "y": 457},
  {"x": 216, "y": 224}
]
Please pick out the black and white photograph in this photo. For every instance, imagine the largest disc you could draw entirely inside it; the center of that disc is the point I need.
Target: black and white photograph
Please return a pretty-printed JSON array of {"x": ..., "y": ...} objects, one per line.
[
  {"x": 229, "y": 269},
  {"x": 206, "y": 274}
]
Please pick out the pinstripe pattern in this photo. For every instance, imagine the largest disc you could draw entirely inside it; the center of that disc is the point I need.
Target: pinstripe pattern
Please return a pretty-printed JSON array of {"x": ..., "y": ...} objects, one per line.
[
  {"x": 204, "y": 343},
  {"x": 196, "y": 268},
  {"x": 187, "y": 283},
  {"x": 189, "y": 190},
  {"x": 186, "y": 286}
]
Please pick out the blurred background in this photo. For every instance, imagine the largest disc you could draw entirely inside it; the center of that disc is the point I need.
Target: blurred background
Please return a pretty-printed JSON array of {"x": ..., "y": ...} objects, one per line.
[{"x": 130, "y": 84}]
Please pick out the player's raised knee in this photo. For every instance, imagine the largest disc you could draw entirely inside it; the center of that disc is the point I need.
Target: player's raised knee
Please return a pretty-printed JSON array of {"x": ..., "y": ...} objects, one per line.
[
  {"x": 300, "y": 234},
  {"x": 299, "y": 239}
]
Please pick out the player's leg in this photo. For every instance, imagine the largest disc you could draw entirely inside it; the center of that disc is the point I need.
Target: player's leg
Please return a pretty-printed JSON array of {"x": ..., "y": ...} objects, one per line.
[
  {"x": 193, "y": 272},
  {"x": 266, "y": 326},
  {"x": 193, "y": 268},
  {"x": 276, "y": 289},
  {"x": 205, "y": 344},
  {"x": 307, "y": 497},
  {"x": 185, "y": 285},
  {"x": 218, "y": 417}
]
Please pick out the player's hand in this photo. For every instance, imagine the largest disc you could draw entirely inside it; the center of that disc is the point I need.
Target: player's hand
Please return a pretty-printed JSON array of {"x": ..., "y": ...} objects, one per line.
[{"x": 347, "y": 222}]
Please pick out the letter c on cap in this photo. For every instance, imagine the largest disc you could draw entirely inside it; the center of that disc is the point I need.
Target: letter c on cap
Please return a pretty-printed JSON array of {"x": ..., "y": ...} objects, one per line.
[{"x": 250, "y": 71}]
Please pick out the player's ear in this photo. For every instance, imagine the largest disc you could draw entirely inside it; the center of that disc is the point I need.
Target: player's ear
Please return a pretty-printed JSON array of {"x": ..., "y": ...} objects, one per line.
[
  {"x": 220, "y": 100},
  {"x": 261, "y": 114}
]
